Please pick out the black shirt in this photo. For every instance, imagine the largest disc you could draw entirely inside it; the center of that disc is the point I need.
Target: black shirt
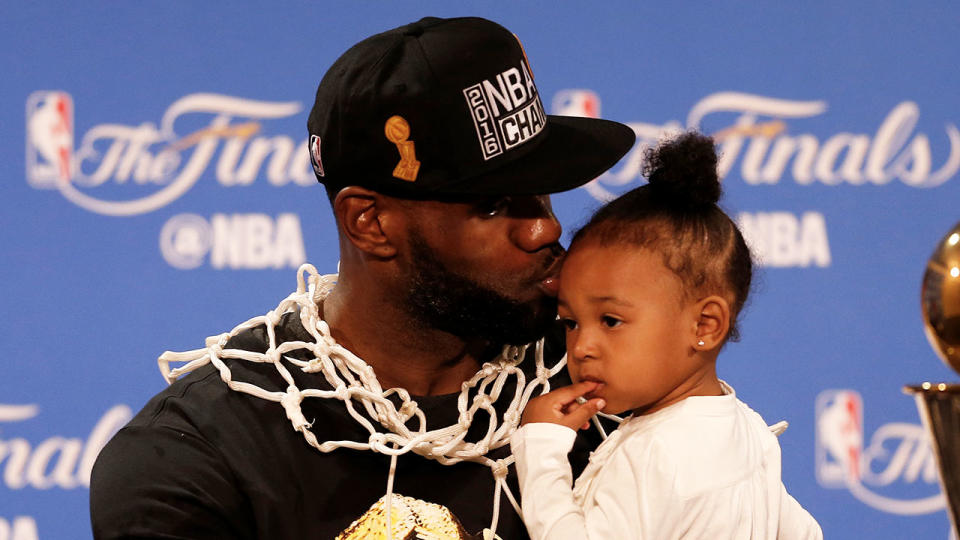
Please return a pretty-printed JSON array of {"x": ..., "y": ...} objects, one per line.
[{"x": 203, "y": 461}]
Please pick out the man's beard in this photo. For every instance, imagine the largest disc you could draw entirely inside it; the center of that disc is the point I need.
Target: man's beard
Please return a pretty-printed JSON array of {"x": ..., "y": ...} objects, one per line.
[{"x": 447, "y": 301}]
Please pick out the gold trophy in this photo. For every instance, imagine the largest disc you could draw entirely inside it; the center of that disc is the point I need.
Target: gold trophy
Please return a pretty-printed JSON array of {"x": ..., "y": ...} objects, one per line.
[{"x": 939, "y": 403}]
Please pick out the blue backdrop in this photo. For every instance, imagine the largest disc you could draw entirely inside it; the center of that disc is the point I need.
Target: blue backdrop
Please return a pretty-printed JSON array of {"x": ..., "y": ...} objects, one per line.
[{"x": 157, "y": 190}]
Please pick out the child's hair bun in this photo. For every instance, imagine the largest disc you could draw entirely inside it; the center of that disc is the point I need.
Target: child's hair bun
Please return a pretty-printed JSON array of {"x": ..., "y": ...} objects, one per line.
[{"x": 683, "y": 171}]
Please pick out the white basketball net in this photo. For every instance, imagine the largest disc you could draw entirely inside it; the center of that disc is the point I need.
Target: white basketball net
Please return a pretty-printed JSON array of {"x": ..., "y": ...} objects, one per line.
[{"x": 354, "y": 383}]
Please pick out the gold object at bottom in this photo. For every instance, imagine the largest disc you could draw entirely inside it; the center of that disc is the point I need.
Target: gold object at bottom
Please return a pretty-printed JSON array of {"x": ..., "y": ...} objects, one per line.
[{"x": 410, "y": 519}]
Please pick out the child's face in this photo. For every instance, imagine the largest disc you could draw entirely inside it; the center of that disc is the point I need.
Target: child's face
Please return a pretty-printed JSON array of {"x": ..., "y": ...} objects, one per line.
[{"x": 629, "y": 328}]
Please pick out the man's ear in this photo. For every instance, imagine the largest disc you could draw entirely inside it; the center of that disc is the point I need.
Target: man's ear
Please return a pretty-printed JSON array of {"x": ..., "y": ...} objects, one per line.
[
  {"x": 713, "y": 323},
  {"x": 360, "y": 214}
]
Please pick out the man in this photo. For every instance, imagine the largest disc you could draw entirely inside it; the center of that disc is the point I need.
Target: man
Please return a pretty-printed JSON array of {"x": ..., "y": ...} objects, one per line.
[{"x": 437, "y": 156}]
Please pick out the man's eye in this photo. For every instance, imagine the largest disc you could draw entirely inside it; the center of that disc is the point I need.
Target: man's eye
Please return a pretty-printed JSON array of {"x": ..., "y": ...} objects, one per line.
[
  {"x": 495, "y": 207},
  {"x": 569, "y": 324},
  {"x": 611, "y": 322}
]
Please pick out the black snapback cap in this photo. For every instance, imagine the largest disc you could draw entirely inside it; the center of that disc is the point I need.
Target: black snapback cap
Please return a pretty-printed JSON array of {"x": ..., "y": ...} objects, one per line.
[{"x": 447, "y": 107}]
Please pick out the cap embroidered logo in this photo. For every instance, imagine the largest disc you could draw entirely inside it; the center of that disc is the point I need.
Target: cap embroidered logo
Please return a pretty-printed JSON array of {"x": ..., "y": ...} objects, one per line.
[
  {"x": 506, "y": 110},
  {"x": 397, "y": 131},
  {"x": 315, "y": 155}
]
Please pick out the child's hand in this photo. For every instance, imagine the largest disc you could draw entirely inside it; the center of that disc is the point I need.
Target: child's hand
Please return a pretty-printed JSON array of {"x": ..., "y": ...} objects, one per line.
[{"x": 560, "y": 406}]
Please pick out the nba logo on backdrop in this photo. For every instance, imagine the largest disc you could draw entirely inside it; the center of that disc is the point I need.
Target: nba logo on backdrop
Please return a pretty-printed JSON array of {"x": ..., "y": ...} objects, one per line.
[
  {"x": 839, "y": 437},
  {"x": 576, "y": 102},
  {"x": 121, "y": 169},
  {"x": 49, "y": 138},
  {"x": 894, "y": 471}
]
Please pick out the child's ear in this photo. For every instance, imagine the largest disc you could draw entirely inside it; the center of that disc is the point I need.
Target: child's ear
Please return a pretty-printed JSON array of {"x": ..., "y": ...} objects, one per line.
[{"x": 713, "y": 323}]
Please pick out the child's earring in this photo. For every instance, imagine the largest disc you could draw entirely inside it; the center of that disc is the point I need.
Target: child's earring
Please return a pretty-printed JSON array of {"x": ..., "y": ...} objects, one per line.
[{"x": 701, "y": 343}]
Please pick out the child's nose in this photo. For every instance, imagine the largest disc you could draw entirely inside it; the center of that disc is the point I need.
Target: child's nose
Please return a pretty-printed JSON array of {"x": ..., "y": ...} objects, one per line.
[{"x": 584, "y": 346}]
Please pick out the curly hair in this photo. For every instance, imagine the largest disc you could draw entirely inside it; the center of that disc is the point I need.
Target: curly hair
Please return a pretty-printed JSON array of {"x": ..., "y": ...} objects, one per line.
[{"x": 676, "y": 215}]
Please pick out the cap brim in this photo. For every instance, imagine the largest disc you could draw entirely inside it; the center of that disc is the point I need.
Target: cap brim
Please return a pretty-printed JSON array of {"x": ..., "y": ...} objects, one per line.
[{"x": 574, "y": 151}]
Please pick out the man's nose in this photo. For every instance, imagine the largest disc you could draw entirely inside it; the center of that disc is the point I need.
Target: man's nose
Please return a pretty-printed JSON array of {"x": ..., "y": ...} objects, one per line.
[{"x": 537, "y": 227}]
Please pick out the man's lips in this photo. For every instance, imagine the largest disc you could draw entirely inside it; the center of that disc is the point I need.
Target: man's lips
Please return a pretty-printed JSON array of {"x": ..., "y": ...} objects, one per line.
[{"x": 550, "y": 283}]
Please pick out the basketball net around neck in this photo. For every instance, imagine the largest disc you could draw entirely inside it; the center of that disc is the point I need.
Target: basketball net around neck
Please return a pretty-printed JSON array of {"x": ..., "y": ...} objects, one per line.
[{"x": 354, "y": 383}]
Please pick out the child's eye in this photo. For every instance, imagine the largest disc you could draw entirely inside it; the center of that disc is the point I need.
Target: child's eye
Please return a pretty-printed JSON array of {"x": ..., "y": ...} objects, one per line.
[
  {"x": 610, "y": 321},
  {"x": 569, "y": 324}
]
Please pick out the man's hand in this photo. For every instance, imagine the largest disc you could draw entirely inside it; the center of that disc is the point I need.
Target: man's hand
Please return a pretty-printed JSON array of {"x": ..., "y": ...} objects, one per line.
[{"x": 560, "y": 406}]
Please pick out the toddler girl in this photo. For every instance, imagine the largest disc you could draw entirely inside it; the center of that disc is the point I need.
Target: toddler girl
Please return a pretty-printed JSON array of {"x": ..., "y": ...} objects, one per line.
[{"x": 649, "y": 294}]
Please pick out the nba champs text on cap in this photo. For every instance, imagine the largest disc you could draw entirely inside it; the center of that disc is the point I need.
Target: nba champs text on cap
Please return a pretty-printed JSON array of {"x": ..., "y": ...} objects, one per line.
[{"x": 450, "y": 107}]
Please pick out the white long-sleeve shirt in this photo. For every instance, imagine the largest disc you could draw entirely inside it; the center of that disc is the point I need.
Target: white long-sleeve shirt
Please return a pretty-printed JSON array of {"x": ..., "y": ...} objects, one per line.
[{"x": 705, "y": 467}]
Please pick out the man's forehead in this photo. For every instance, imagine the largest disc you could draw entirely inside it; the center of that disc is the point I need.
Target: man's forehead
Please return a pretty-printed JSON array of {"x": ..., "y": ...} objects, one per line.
[
  {"x": 461, "y": 203},
  {"x": 446, "y": 210},
  {"x": 450, "y": 200}
]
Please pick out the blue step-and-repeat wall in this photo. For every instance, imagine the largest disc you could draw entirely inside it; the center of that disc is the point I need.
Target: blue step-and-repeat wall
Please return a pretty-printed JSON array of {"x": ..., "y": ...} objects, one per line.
[{"x": 157, "y": 189}]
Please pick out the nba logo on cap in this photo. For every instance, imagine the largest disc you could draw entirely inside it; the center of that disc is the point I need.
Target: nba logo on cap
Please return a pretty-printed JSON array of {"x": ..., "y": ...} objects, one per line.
[
  {"x": 315, "y": 155},
  {"x": 576, "y": 102},
  {"x": 839, "y": 437},
  {"x": 49, "y": 138}
]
